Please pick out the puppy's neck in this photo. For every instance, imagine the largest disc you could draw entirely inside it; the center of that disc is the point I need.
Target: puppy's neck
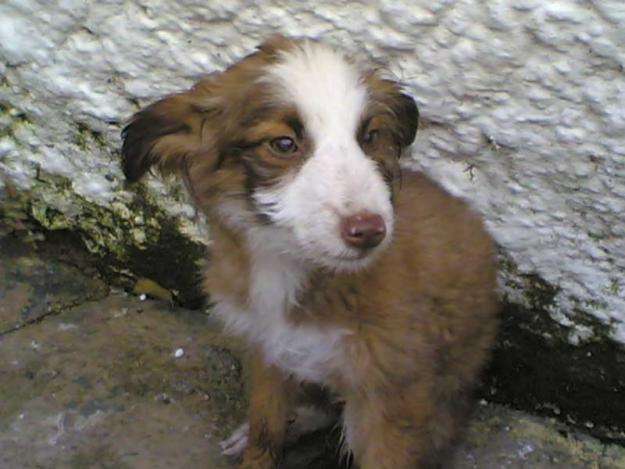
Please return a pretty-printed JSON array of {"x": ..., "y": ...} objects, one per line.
[
  {"x": 275, "y": 280},
  {"x": 255, "y": 265}
]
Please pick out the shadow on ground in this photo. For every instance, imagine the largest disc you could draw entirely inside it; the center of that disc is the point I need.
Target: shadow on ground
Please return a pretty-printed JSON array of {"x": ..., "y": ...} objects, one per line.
[{"x": 94, "y": 378}]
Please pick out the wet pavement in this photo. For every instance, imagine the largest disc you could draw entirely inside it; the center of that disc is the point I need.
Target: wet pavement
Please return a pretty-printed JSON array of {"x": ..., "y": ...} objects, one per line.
[{"x": 92, "y": 377}]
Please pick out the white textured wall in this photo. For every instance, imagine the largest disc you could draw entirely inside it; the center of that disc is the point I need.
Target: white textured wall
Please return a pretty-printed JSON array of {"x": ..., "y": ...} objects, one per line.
[{"x": 523, "y": 104}]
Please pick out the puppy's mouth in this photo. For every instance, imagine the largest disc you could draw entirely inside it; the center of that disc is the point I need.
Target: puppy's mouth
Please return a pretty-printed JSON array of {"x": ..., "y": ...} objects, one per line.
[{"x": 353, "y": 256}]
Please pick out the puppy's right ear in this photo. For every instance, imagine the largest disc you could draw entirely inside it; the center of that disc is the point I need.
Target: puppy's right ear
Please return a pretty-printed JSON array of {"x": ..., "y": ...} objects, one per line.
[{"x": 165, "y": 134}]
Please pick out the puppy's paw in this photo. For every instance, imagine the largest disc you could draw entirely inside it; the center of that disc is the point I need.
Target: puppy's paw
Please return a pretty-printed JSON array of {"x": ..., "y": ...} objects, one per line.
[
  {"x": 237, "y": 442},
  {"x": 305, "y": 419},
  {"x": 308, "y": 419},
  {"x": 257, "y": 458}
]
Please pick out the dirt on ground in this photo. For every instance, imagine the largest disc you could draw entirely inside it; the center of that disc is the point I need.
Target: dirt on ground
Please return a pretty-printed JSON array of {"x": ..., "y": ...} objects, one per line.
[{"x": 93, "y": 377}]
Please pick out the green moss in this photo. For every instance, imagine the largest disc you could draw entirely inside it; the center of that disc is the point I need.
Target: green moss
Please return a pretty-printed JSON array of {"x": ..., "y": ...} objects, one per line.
[
  {"x": 596, "y": 236},
  {"x": 166, "y": 255},
  {"x": 11, "y": 119},
  {"x": 540, "y": 298},
  {"x": 80, "y": 140},
  {"x": 14, "y": 214},
  {"x": 615, "y": 287},
  {"x": 537, "y": 367},
  {"x": 85, "y": 137},
  {"x": 131, "y": 240}
]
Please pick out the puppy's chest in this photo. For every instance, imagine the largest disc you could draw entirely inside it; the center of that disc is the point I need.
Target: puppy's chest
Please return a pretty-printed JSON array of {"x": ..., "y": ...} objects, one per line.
[{"x": 310, "y": 351}]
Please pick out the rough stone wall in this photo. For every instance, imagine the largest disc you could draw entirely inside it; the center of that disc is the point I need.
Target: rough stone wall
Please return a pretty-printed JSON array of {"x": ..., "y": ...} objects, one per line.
[{"x": 522, "y": 104}]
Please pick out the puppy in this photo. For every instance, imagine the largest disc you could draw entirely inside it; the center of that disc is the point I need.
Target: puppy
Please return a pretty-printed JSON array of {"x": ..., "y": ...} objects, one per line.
[{"x": 336, "y": 268}]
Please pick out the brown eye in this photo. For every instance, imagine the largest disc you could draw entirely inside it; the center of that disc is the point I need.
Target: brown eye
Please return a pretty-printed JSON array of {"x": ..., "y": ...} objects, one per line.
[
  {"x": 370, "y": 136},
  {"x": 283, "y": 145}
]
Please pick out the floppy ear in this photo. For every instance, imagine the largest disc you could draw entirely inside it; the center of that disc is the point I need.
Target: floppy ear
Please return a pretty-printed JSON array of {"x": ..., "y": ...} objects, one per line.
[
  {"x": 407, "y": 114},
  {"x": 388, "y": 98},
  {"x": 166, "y": 133}
]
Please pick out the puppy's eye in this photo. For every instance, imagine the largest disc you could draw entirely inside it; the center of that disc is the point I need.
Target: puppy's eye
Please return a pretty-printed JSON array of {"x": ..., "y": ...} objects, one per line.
[
  {"x": 370, "y": 136},
  {"x": 284, "y": 146}
]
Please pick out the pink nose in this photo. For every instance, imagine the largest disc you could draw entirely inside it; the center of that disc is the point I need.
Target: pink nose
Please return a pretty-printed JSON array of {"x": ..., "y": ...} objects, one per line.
[{"x": 363, "y": 230}]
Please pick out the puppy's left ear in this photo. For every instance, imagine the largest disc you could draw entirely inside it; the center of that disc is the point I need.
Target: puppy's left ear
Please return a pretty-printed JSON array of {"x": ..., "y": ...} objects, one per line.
[
  {"x": 407, "y": 115},
  {"x": 389, "y": 99}
]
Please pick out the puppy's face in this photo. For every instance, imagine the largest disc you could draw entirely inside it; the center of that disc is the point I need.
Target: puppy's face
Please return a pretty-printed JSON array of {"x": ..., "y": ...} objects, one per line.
[{"x": 295, "y": 146}]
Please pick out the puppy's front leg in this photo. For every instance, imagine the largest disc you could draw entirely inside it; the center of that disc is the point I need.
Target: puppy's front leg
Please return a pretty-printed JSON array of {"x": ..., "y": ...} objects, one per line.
[
  {"x": 267, "y": 415},
  {"x": 389, "y": 429}
]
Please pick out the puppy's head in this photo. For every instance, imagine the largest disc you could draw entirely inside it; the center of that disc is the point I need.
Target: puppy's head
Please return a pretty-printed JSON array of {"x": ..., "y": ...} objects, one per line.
[{"x": 295, "y": 146}]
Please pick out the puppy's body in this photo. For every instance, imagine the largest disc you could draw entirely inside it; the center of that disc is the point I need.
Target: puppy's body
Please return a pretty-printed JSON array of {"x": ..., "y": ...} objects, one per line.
[
  {"x": 401, "y": 342},
  {"x": 336, "y": 270}
]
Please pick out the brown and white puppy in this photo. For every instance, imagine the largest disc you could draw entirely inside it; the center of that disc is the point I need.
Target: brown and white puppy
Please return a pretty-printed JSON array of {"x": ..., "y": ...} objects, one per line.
[{"x": 334, "y": 267}]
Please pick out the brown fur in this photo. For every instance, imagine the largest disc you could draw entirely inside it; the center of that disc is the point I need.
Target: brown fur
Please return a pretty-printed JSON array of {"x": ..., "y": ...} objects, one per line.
[{"x": 423, "y": 314}]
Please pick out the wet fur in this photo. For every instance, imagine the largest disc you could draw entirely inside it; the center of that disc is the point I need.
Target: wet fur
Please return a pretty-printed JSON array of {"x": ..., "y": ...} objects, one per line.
[{"x": 400, "y": 337}]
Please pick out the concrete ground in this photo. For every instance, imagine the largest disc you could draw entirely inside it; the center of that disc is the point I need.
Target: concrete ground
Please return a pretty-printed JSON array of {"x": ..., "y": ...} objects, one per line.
[{"x": 95, "y": 378}]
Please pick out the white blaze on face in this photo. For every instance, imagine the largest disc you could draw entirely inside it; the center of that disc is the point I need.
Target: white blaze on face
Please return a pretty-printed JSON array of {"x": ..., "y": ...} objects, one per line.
[{"x": 338, "y": 180}]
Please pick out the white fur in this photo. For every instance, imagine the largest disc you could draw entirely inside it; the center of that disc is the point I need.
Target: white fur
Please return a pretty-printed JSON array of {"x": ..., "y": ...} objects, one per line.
[
  {"x": 338, "y": 180},
  {"x": 305, "y": 419},
  {"x": 236, "y": 443},
  {"x": 308, "y": 353}
]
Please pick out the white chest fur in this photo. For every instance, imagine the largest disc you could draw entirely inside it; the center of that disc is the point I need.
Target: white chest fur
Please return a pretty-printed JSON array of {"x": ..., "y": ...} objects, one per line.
[{"x": 308, "y": 352}]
